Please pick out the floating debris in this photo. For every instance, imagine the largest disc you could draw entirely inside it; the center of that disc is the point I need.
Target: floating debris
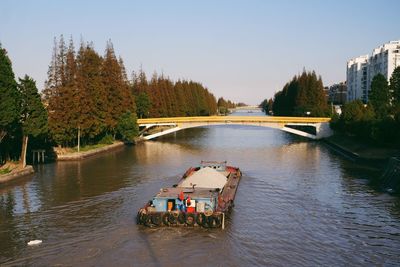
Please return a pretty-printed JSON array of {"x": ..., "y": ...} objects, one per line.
[{"x": 34, "y": 242}]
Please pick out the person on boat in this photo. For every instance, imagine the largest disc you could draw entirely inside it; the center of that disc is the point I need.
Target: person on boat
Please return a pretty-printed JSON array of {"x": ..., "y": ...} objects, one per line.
[
  {"x": 180, "y": 202},
  {"x": 188, "y": 203}
]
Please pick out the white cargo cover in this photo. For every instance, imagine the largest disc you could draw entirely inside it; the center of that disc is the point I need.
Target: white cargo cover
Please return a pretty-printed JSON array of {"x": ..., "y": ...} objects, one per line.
[{"x": 205, "y": 178}]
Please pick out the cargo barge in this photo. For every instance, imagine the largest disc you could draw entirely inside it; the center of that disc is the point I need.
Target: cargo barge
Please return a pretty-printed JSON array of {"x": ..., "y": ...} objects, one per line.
[{"x": 202, "y": 197}]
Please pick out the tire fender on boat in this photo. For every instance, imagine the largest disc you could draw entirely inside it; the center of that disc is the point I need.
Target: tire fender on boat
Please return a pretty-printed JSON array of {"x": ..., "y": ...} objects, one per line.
[
  {"x": 145, "y": 219},
  {"x": 141, "y": 217},
  {"x": 165, "y": 219},
  {"x": 214, "y": 221},
  {"x": 172, "y": 218},
  {"x": 156, "y": 219},
  {"x": 190, "y": 219},
  {"x": 201, "y": 219},
  {"x": 182, "y": 217}
]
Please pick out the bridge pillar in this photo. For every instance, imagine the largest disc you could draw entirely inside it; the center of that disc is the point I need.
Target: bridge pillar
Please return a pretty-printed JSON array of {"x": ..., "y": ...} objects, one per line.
[{"x": 323, "y": 130}]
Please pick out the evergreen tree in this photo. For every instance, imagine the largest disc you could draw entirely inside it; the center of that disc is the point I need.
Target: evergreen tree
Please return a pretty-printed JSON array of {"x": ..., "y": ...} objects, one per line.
[
  {"x": 264, "y": 106},
  {"x": 356, "y": 119},
  {"x": 395, "y": 88},
  {"x": 33, "y": 114},
  {"x": 379, "y": 97},
  {"x": 143, "y": 105},
  {"x": 302, "y": 96},
  {"x": 9, "y": 96},
  {"x": 127, "y": 126}
]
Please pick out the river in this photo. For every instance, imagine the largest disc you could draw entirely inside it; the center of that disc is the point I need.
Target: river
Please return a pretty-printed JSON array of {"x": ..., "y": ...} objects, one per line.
[{"x": 298, "y": 204}]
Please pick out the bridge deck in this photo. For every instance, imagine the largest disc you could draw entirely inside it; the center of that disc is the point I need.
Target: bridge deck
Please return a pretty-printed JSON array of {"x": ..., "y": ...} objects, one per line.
[{"x": 272, "y": 119}]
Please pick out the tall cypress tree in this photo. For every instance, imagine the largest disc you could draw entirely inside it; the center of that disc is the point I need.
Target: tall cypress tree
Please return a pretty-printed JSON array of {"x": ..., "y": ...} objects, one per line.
[
  {"x": 115, "y": 83},
  {"x": 61, "y": 93},
  {"x": 92, "y": 95}
]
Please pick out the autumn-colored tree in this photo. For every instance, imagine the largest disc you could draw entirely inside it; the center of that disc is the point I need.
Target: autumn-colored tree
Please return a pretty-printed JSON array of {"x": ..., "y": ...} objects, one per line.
[
  {"x": 169, "y": 98},
  {"x": 92, "y": 99},
  {"x": 61, "y": 93},
  {"x": 119, "y": 99},
  {"x": 86, "y": 94}
]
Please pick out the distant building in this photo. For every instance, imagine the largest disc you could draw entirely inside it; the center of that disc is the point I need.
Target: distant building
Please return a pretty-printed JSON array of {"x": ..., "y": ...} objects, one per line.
[
  {"x": 357, "y": 75},
  {"x": 337, "y": 93},
  {"x": 361, "y": 70},
  {"x": 384, "y": 60}
]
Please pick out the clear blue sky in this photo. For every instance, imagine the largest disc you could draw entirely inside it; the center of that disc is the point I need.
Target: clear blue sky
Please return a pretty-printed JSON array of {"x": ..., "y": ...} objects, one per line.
[{"x": 242, "y": 50}]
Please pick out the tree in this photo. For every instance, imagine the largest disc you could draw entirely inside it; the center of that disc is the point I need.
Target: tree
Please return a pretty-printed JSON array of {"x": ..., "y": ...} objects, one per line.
[
  {"x": 33, "y": 114},
  {"x": 143, "y": 105},
  {"x": 127, "y": 126},
  {"x": 395, "y": 88},
  {"x": 302, "y": 96},
  {"x": 266, "y": 106},
  {"x": 92, "y": 96},
  {"x": 379, "y": 97},
  {"x": 9, "y": 103},
  {"x": 61, "y": 94},
  {"x": 117, "y": 92},
  {"x": 356, "y": 119}
]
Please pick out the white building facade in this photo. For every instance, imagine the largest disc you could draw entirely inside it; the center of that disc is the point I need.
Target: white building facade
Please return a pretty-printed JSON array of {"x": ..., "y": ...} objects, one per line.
[
  {"x": 361, "y": 70},
  {"x": 357, "y": 74}
]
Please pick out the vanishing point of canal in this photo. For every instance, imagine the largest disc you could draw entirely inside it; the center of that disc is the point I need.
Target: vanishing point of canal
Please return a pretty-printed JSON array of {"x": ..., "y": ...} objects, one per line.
[{"x": 298, "y": 204}]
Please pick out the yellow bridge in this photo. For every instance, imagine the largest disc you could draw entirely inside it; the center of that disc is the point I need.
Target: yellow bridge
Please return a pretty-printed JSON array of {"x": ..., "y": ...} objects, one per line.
[{"x": 310, "y": 127}]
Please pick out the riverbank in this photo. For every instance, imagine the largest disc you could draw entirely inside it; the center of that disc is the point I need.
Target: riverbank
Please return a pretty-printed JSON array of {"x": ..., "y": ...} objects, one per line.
[
  {"x": 66, "y": 155},
  {"x": 360, "y": 152},
  {"x": 15, "y": 172},
  {"x": 69, "y": 154}
]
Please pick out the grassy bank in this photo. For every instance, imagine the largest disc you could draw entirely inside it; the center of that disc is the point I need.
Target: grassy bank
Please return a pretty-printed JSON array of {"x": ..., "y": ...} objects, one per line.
[
  {"x": 86, "y": 151},
  {"x": 88, "y": 147},
  {"x": 12, "y": 171},
  {"x": 4, "y": 171}
]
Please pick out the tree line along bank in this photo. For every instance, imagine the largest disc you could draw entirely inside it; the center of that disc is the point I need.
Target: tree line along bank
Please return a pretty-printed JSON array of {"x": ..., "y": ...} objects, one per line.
[
  {"x": 377, "y": 121},
  {"x": 88, "y": 99}
]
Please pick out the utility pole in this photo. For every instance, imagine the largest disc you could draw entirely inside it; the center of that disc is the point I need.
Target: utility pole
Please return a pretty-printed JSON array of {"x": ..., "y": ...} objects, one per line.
[{"x": 79, "y": 138}]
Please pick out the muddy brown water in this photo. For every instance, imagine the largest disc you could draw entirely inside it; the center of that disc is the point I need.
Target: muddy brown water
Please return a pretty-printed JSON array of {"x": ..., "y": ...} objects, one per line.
[{"x": 298, "y": 204}]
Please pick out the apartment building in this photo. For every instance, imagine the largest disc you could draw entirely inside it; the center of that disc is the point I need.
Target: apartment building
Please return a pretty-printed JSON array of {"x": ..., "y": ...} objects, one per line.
[
  {"x": 361, "y": 70},
  {"x": 357, "y": 75}
]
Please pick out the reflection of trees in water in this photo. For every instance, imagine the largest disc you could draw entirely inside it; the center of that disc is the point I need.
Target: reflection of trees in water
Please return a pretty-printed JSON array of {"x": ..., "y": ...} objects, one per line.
[
  {"x": 10, "y": 237},
  {"x": 185, "y": 136}
]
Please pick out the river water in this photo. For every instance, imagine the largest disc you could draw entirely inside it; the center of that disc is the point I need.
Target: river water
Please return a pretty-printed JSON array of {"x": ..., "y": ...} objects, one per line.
[{"x": 298, "y": 204}]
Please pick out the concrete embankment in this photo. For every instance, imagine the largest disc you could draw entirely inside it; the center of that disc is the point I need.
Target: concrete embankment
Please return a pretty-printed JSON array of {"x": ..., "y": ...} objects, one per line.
[
  {"x": 354, "y": 150},
  {"x": 86, "y": 154},
  {"x": 15, "y": 174},
  {"x": 385, "y": 159}
]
